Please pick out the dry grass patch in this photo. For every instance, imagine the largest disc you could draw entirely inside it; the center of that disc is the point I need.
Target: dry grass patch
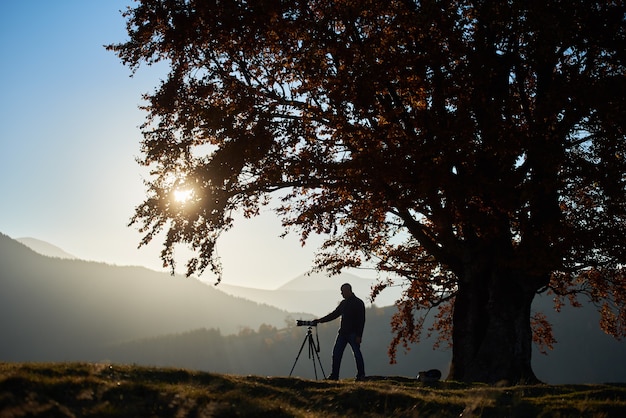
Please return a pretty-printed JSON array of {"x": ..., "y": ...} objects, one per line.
[{"x": 105, "y": 390}]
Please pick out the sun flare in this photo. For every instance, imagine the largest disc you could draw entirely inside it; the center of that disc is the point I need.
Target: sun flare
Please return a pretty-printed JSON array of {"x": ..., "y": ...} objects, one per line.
[{"x": 183, "y": 195}]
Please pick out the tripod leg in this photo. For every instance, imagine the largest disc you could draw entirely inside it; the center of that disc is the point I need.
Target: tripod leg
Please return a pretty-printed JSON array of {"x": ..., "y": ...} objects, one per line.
[
  {"x": 320, "y": 362},
  {"x": 312, "y": 350},
  {"x": 298, "y": 356}
]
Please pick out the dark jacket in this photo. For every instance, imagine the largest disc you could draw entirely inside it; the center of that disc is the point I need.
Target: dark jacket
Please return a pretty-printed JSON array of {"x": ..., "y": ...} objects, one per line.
[{"x": 352, "y": 312}]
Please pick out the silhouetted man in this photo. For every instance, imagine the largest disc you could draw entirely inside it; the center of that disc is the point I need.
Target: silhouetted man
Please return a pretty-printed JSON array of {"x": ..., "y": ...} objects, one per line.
[{"x": 352, "y": 312}]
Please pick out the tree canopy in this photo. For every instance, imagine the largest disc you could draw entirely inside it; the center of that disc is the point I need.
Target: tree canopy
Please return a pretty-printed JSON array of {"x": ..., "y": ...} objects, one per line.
[{"x": 474, "y": 148}]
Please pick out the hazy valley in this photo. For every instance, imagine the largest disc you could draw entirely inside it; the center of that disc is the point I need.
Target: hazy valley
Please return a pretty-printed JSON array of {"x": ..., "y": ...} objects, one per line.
[{"x": 63, "y": 309}]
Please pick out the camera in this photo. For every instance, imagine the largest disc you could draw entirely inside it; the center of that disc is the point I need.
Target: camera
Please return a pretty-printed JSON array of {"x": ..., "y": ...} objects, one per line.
[{"x": 302, "y": 323}]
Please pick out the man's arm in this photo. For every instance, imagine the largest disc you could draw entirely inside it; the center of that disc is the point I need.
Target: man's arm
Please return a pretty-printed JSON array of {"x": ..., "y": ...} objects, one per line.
[{"x": 333, "y": 315}]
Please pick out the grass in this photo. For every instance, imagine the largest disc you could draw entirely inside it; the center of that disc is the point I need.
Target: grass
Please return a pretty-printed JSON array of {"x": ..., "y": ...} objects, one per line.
[{"x": 105, "y": 390}]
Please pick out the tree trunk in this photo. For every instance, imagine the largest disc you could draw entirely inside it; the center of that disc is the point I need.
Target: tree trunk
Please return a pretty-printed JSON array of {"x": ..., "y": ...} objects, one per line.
[{"x": 492, "y": 337}]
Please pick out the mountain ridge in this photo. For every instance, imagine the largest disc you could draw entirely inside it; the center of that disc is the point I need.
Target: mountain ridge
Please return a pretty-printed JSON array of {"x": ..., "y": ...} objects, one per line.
[
  {"x": 55, "y": 309},
  {"x": 321, "y": 281},
  {"x": 315, "y": 293},
  {"x": 76, "y": 305},
  {"x": 45, "y": 248}
]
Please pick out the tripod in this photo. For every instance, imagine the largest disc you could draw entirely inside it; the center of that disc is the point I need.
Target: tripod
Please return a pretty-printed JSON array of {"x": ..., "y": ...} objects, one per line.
[{"x": 313, "y": 351}]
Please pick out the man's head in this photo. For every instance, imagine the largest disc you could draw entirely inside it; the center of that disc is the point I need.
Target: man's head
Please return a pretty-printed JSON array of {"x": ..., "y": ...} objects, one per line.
[{"x": 346, "y": 290}]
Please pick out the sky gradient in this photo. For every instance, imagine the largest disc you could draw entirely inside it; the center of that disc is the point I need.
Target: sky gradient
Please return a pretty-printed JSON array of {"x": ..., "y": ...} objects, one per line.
[{"x": 69, "y": 137}]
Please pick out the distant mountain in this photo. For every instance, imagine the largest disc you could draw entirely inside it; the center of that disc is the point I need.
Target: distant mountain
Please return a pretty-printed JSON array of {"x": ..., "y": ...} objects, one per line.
[
  {"x": 54, "y": 309},
  {"x": 583, "y": 354},
  {"x": 273, "y": 352},
  {"x": 57, "y": 309},
  {"x": 317, "y": 294},
  {"x": 44, "y": 248},
  {"x": 322, "y": 282}
]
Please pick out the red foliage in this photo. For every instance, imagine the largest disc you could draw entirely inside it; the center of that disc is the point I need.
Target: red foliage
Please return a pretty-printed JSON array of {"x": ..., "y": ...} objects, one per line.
[{"x": 437, "y": 142}]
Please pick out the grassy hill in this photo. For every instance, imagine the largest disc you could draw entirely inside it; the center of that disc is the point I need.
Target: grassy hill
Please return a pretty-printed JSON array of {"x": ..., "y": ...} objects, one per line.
[{"x": 107, "y": 390}]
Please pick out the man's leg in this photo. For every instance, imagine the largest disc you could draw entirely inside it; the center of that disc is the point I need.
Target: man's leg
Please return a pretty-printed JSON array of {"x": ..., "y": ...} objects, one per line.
[
  {"x": 338, "y": 349},
  {"x": 358, "y": 356}
]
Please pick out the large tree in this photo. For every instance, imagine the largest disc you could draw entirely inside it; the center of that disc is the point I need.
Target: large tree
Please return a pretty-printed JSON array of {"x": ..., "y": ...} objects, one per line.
[{"x": 475, "y": 149}]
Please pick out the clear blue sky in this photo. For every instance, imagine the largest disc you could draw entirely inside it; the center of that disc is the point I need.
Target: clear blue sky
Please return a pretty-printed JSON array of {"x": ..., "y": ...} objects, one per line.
[{"x": 69, "y": 137}]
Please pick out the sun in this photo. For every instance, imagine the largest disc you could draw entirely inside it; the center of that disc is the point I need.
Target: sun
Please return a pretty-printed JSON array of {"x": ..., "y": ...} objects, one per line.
[{"x": 183, "y": 195}]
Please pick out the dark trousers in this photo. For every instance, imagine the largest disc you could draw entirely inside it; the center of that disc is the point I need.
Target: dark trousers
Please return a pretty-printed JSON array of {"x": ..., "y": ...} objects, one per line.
[{"x": 338, "y": 349}]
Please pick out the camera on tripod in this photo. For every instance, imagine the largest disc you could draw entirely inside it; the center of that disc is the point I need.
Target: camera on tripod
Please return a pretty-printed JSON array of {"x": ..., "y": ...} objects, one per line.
[{"x": 314, "y": 349}]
